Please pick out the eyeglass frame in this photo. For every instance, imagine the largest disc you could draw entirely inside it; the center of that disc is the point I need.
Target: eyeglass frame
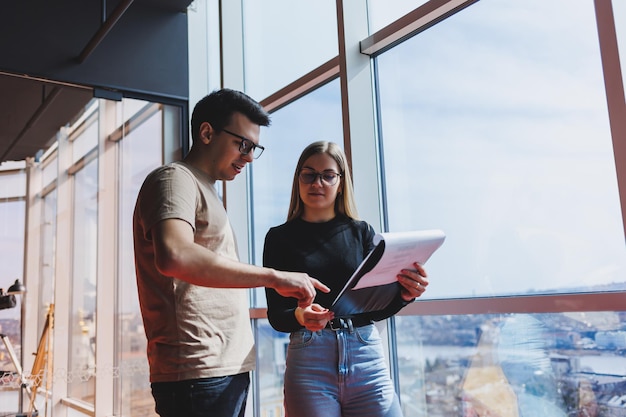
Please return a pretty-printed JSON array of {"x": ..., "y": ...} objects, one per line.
[
  {"x": 319, "y": 175},
  {"x": 242, "y": 147}
]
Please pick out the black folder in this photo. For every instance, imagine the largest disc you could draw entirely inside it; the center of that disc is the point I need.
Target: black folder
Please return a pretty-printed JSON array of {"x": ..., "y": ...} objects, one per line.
[{"x": 375, "y": 279}]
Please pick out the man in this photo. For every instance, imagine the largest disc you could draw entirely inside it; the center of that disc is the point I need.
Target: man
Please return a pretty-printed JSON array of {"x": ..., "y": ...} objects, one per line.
[{"x": 191, "y": 284}]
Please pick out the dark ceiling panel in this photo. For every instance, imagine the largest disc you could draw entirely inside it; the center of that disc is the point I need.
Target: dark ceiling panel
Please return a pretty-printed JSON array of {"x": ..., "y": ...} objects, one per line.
[
  {"x": 43, "y": 84},
  {"x": 32, "y": 112}
]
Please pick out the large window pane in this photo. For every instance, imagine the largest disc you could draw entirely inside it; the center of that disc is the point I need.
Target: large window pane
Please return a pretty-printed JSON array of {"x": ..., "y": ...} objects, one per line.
[
  {"x": 12, "y": 183},
  {"x": 495, "y": 129},
  {"x": 383, "y": 12},
  {"x": 141, "y": 152},
  {"x": 271, "y": 347},
  {"x": 49, "y": 170},
  {"x": 81, "y": 382},
  {"x": 548, "y": 365},
  {"x": 12, "y": 215},
  {"x": 284, "y": 39},
  {"x": 85, "y": 141}
]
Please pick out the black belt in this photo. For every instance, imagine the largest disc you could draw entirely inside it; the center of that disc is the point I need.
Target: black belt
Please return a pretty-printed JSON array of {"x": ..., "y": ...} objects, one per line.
[{"x": 348, "y": 323}]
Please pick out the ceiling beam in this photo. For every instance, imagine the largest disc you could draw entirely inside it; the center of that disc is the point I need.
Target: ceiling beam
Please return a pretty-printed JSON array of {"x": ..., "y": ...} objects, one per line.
[{"x": 104, "y": 29}]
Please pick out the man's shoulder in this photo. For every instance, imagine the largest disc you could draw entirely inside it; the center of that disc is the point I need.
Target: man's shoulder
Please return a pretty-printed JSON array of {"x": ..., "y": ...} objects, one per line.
[{"x": 173, "y": 169}]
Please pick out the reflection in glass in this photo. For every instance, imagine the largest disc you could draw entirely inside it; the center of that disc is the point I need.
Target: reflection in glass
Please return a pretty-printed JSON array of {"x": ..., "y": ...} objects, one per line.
[
  {"x": 82, "y": 337},
  {"x": 506, "y": 148},
  {"x": 141, "y": 152},
  {"x": 284, "y": 40},
  {"x": 527, "y": 365}
]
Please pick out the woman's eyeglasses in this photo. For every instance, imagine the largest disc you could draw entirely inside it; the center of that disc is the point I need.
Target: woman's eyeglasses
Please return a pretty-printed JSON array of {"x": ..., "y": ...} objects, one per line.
[
  {"x": 246, "y": 146},
  {"x": 326, "y": 177}
]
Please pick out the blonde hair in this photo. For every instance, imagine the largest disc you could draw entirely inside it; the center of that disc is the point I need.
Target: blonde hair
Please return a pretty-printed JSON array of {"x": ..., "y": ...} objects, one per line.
[{"x": 344, "y": 203}]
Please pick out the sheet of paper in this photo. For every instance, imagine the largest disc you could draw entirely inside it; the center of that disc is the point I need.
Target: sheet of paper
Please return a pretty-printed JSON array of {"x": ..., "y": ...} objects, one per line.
[{"x": 401, "y": 249}]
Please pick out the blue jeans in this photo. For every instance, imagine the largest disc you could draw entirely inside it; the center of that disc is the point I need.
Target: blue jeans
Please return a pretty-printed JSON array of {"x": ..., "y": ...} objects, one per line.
[
  {"x": 223, "y": 396},
  {"x": 338, "y": 374}
]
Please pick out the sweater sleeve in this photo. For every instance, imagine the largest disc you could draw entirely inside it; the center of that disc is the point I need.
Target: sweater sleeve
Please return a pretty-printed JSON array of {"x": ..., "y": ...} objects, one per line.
[
  {"x": 280, "y": 310},
  {"x": 396, "y": 305}
]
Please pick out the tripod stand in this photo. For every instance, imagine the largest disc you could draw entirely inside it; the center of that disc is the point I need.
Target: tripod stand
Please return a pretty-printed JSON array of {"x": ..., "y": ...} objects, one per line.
[
  {"x": 31, "y": 383},
  {"x": 24, "y": 385}
]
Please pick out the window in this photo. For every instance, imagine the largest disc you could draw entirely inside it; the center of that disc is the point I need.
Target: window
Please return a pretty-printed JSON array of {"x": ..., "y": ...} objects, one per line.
[
  {"x": 82, "y": 337},
  {"x": 553, "y": 365},
  {"x": 140, "y": 154},
  {"x": 383, "y": 12},
  {"x": 284, "y": 40},
  {"x": 495, "y": 129},
  {"x": 12, "y": 220}
]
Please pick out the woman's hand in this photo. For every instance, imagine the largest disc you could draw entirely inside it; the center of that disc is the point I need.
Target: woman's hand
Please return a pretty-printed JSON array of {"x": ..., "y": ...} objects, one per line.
[
  {"x": 313, "y": 317},
  {"x": 413, "y": 282}
]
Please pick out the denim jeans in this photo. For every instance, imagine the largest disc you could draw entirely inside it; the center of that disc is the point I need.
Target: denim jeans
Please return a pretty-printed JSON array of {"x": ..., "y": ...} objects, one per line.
[
  {"x": 223, "y": 396},
  {"x": 338, "y": 374}
]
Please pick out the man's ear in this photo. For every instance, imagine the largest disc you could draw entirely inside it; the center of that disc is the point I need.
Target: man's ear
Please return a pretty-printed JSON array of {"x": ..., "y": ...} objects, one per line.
[{"x": 206, "y": 132}]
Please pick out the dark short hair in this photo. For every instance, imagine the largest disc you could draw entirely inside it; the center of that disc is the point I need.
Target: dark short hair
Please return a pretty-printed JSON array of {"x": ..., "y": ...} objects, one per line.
[{"x": 218, "y": 107}]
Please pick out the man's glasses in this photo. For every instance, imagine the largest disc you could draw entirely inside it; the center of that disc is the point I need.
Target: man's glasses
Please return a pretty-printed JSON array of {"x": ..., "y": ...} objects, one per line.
[
  {"x": 327, "y": 177},
  {"x": 246, "y": 146}
]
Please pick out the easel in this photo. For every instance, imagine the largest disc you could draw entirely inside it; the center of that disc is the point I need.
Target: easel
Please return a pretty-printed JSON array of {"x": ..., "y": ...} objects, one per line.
[{"x": 43, "y": 356}]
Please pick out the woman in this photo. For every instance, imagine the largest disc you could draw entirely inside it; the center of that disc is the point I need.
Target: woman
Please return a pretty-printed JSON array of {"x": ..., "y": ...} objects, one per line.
[{"x": 335, "y": 365}]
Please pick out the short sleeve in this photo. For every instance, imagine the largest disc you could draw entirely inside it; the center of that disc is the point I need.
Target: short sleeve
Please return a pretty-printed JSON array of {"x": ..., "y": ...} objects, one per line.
[{"x": 169, "y": 192}]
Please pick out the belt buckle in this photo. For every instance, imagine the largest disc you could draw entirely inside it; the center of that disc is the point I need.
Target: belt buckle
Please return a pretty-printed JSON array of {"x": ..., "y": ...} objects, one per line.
[{"x": 341, "y": 324}]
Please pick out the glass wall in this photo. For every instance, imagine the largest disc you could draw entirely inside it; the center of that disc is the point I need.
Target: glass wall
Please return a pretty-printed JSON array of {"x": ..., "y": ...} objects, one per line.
[
  {"x": 284, "y": 40},
  {"x": 492, "y": 125},
  {"x": 504, "y": 125},
  {"x": 12, "y": 216},
  {"x": 12, "y": 222},
  {"x": 489, "y": 123},
  {"x": 82, "y": 360},
  {"x": 139, "y": 155}
]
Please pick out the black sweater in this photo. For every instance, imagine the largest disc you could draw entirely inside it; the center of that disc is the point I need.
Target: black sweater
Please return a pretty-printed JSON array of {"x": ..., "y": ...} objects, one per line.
[{"x": 329, "y": 251}]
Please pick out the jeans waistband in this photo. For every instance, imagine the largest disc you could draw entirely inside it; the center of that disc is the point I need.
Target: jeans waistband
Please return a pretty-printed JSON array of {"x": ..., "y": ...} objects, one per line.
[{"x": 347, "y": 323}]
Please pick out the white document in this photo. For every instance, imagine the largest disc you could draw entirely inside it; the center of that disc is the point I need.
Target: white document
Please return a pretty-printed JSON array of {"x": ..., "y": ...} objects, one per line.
[
  {"x": 399, "y": 251},
  {"x": 373, "y": 285}
]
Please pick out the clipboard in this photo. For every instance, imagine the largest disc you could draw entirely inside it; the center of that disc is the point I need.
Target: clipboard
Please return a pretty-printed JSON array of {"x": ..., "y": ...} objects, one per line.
[{"x": 373, "y": 286}]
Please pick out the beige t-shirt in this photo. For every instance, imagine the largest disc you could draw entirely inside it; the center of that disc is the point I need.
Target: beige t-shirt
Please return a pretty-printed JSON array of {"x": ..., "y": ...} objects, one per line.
[{"x": 193, "y": 331}]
